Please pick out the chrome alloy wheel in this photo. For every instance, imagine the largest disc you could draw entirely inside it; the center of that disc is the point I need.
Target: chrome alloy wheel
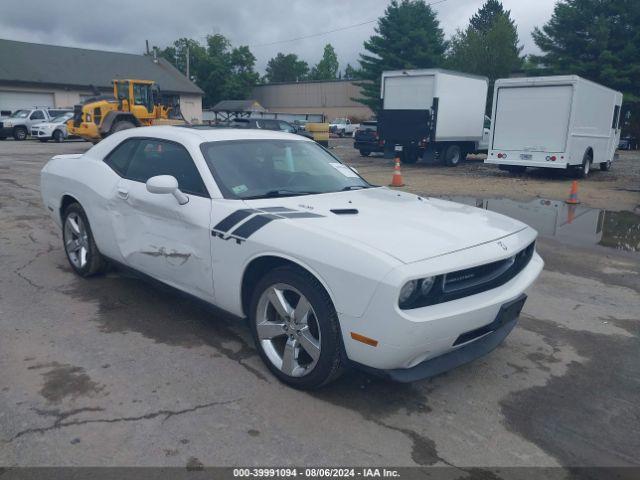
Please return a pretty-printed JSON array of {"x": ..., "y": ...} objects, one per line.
[
  {"x": 288, "y": 330},
  {"x": 76, "y": 240}
]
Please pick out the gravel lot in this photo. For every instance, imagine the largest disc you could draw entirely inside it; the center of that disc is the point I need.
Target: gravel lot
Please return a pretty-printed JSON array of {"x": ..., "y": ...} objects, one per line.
[{"x": 115, "y": 371}]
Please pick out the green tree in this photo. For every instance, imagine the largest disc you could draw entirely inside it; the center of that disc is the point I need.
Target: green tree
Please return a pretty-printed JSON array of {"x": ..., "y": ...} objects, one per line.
[
  {"x": 598, "y": 40},
  {"x": 221, "y": 71},
  {"x": 286, "y": 68},
  {"x": 350, "y": 73},
  {"x": 484, "y": 19},
  {"x": 489, "y": 46},
  {"x": 327, "y": 68},
  {"x": 407, "y": 36}
]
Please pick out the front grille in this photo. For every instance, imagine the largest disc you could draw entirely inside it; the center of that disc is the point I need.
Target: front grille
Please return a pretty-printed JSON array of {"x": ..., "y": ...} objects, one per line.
[{"x": 470, "y": 281}]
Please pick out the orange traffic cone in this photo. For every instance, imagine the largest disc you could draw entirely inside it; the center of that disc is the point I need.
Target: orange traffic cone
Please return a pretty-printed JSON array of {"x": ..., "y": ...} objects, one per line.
[
  {"x": 396, "y": 181},
  {"x": 573, "y": 194}
]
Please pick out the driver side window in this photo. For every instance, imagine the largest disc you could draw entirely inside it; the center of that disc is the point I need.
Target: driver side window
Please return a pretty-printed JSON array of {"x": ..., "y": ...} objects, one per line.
[{"x": 37, "y": 115}]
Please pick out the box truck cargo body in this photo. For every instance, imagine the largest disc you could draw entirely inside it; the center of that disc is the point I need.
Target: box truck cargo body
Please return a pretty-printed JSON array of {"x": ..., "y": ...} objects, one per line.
[
  {"x": 433, "y": 113},
  {"x": 563, "y": 122}
]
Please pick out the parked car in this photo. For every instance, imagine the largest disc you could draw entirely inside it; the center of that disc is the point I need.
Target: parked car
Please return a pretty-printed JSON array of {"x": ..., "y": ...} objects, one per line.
[
  {"x": 367, "y": 140},
  {"x": 562, "y": 122},
  {"x": 55, "y": 130},
  {"x": 272, "y": 226},
  {"x": 269, "y": 124},
  {"x": 19, "y": 123},
  {"x": 628, "y": 142},
  {"x": 342, "y": 127}
]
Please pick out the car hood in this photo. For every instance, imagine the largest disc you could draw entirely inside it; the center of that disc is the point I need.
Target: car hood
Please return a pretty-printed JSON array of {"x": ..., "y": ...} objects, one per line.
[{"x": 405, "y": 226}]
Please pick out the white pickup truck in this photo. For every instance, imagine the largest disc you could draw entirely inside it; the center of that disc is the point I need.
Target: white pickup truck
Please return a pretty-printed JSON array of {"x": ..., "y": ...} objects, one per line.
[
  {"x": 19, "y": 124},
  {"x": 343, "y": 127}
]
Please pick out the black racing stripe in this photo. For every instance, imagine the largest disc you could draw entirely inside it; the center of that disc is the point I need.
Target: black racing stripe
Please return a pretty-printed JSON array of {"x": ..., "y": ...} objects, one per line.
[
  {"x": 252, "y": 225},
  {"x": 276, "y": 209},
  {"x": 233, "y": 219},
  {"x": 300, "y": 215}
]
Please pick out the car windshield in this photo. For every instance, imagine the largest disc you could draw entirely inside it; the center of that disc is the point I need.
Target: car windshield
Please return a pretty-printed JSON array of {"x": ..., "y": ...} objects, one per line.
[
  {"x": 248, "y": 169},
  {"x": 62, "y": 118},
  {"x": 20, "y": 114}
]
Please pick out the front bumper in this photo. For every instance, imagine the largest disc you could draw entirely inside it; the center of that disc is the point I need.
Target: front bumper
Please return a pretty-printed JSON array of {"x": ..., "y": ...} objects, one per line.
[
  {"x": 406, "y": 338},
  {"x": 6, "y": 131},
  {"x": 482, "y": 341}
]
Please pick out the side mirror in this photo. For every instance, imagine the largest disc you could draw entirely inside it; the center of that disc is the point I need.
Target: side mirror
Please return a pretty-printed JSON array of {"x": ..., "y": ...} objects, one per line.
[{"x": 163, "y": 184}]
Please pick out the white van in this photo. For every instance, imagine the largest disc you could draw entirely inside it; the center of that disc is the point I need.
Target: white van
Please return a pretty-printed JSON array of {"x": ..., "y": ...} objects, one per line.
[
  {"x": 562, "y": 122},
  {"x": 433, "y": 111}
]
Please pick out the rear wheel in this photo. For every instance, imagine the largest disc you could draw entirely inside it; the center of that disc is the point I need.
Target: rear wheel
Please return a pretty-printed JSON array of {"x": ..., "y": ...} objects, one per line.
[
  {"x": 79, "y": 245},
  {"x": 295, "y": 328},
  {"x": 582, "y": 171},
  {"x": 452, "y": 155},
  {"x": 364, "y": 153},
  {"x": 20, "y": 133},
  {"x": 58, "y": 136},
  {"x": 341, "y": 133}
]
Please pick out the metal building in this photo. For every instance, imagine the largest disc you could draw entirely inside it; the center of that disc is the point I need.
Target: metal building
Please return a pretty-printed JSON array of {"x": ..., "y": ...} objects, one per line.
[{"x": 331, "y": 98}]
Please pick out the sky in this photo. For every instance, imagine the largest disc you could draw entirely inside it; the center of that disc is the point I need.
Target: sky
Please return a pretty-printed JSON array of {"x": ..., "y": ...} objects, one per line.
[{"x": 121, "y": 25}]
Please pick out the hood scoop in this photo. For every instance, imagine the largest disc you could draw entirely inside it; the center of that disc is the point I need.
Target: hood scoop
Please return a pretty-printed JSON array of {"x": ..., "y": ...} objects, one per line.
[{"x": 345, "y": 211}]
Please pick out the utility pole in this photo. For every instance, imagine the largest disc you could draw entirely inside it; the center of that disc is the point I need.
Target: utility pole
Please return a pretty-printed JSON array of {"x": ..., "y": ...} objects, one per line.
[
  {"x": 147, "y": 42},
  {"x": 188, "y": 76}
]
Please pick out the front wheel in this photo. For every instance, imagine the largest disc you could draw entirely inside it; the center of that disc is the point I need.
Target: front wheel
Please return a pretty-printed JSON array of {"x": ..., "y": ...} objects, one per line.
[
  {"x": 79, "y": 245},
  {"x": 58, "y": 136},
  {"x": 295, "y": 328}
]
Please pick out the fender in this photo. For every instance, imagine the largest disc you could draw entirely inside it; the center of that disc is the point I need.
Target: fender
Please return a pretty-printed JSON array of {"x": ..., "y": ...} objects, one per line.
[{"x": 117, "y": 115}]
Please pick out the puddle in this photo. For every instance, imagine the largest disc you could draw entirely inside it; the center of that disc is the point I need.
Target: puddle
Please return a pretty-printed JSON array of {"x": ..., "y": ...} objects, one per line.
[{"x": 574, "y": 224}]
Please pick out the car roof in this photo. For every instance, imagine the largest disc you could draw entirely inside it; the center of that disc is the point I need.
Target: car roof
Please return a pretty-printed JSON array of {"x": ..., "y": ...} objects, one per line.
[{"x": 201, "y": 135}]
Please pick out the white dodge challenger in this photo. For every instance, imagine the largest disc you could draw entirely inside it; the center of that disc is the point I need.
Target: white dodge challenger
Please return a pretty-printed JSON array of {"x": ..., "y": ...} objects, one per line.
[{"x": 330, "y": 270}]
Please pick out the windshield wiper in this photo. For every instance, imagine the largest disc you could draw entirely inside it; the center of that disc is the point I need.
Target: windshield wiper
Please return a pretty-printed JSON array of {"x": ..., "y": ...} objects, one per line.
[
  {"x": 280, "y": 193},
  {"x": 354, "y": 187}
]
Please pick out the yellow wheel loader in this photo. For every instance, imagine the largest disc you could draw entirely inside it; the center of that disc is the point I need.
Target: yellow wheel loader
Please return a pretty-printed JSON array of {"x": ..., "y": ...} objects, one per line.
[{"x": 135, "y": 103}]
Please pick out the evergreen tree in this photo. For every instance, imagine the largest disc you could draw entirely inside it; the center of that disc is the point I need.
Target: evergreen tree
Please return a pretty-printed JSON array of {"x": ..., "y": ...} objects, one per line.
[
  {"x": 327, "y": 68},
  {"x": 598, "y": 40},
  {"x": 407, "y": 36},
  {"x": 350, "y": 73},
  {"x": 286, "y": 68},
  {"x": 489, "y": 46}
]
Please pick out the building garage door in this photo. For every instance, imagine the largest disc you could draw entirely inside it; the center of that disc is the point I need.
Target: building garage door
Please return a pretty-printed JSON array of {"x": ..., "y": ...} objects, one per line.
[{"x": 16, "y": 100}]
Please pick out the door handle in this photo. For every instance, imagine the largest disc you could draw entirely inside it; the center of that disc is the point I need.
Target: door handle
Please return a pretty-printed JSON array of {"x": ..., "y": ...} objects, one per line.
[{"x": 123, "y": 193}]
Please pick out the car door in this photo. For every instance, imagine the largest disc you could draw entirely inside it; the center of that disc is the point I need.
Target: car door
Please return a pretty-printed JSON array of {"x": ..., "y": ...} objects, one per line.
[
  {"x": 36, "y": 117},
  {"x": 154, "y": 233}
]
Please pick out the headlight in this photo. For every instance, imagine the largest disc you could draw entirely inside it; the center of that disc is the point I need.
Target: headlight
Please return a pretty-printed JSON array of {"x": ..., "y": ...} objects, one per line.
[
  {"x": 414, "y": 292},
  {"x": 8, "y": 124}
]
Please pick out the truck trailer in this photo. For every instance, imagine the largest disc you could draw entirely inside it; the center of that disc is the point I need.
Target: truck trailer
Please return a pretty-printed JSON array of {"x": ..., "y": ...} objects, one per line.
[
  {"x": 563, "y": 122},
  {"x": 433, "y": 114}
]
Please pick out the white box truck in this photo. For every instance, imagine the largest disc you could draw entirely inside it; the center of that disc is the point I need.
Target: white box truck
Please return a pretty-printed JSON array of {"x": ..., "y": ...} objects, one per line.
[
  {"x": 433, "y": 113},
  {"x": 563, "y": 122}
]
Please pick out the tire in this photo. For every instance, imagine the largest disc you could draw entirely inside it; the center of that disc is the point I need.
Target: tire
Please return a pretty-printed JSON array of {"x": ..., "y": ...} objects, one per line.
[
  {"x": 605, "y": 166},
  {"x": 122, "y": 125},
  {"x": 20, "y": 133},
  {"x": 76, "y": 237},
  {"x": 364, "y": 153},
  {"x": 582, "y": 171},
  {"x": 341, "y": 133},
  {"x": 409, "y": 155},
  {"x": 452, "y": 155},
  {"x": 323, "y": 336},
  {"x": 58, "y": 136}
]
